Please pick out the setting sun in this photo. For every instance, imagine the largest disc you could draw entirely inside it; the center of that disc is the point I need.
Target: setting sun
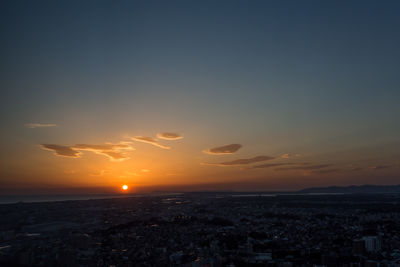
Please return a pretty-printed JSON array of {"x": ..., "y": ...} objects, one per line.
[{"x": 124, "y": 187}]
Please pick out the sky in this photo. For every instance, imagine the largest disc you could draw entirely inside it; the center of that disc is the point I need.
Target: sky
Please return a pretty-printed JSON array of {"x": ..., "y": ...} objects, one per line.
[{"x": 198, "y": 95}]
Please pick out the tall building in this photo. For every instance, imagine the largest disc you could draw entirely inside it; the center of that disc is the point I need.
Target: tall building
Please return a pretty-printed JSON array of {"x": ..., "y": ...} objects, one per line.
[{"x": 372, "y": 243}]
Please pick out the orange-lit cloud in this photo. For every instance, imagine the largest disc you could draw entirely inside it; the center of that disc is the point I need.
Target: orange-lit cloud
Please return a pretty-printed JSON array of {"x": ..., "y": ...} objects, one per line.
[
  {"x": 149, "y": 140},
  {"x": 104, "y": 147},
  {"x": 241, "y": 161},
  {"x": 228, "y": 149},
  {"x": 64, "y": 151},
  {"x": 112, "y": 151},
  {"x": 113, "y": 155},
  {"x": 40, "y": 125},
  {"x": 169, "y": 136},
  {"x": 305, "y": 167}
]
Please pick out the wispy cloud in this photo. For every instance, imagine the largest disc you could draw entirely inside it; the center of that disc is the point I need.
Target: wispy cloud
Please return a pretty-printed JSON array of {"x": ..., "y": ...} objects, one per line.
[
  {"x": 169, "y": 136},
  {"x": 241, "y": 161},
  {"x": 113, "y": 155},
  {"x": 40, "y": 125},
  {"x": 271, "y": 165},
  {"x": 113, "y": 151},
  {"x": 289, "y": 156},
  {"x": 64, "y": 151},
  {"x": 304, "y": 167},
  {"x": 326, "y": 171},
  {"x": 101, "y": 173},
  {"x": 104, "y": 147},
  {"x": 149, "y": 140},
  {"x": 380, "y": 167},
  {"x": 228, "y": 149}
]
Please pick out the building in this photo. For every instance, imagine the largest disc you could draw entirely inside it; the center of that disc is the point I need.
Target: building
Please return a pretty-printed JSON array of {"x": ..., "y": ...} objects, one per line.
[{"x": 372, "y": 243}]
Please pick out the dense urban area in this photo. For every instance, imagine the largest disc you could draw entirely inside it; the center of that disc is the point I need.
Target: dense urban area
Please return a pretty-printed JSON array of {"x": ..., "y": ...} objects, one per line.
[{"x": 204, "y": 229}]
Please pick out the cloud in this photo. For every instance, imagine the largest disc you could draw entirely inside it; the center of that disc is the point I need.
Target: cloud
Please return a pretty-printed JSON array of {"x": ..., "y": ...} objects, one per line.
[
  {"x": 326, "y": 171},
  {"x": 241, "y": 161},
  {"x": 271, "y": 165},
  {"x": 289, "y": 156},
  {"x": 40, "y": 125},
  {"x": 304, "y": 167},
  {"x": 101, "y": 173},
  {"x": 380, "y": 167},
  {"x": 104, "y": 147},
  {"x": 228, "y": 149},
  {"x": 149, "y": 140},
  {"x": 110, "y": 150},
  {"x": 64, "y": 151},
  {"x": 169, "y": 136},
  {"x": 113, "y": 155}
]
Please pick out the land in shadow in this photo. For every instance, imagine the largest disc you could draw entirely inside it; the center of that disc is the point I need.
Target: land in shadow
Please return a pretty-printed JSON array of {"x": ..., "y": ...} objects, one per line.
[{"x": 204, "y": 229}]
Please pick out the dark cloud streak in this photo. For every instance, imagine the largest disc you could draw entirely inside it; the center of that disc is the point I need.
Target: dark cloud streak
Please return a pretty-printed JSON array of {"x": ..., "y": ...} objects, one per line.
[
  {"x": 59, "y": 150},
  {"x": 271, "y": 165},
  {"x": 241, "y": 161},
  {"x": 228, "y": 149},
  {"x": 169, "y": 136},
  {"x": 380, "y": 167},
  {"x": 40, "y": 125},
  {"x": 305, "y": 168}
]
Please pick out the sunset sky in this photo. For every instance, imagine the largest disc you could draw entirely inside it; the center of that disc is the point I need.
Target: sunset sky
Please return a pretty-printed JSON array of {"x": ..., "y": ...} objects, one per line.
[{"x": 198, "y": 95}]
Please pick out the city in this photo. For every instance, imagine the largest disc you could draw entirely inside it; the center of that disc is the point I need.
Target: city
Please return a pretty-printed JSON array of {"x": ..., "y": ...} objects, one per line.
[{"x": 204, "y": 229}]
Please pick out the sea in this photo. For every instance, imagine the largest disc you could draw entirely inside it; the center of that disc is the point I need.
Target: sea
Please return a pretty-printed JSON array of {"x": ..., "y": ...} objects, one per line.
[{"x": 9, "y": 199}]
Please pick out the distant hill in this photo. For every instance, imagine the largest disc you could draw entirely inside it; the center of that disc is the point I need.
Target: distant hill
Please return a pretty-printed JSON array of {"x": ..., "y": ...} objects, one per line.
[{"x": 354, "y": 189}]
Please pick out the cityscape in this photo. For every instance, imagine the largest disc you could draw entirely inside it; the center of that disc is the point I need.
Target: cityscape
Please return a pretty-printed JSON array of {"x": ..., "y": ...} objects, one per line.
[{"x": 205, "y": 229}]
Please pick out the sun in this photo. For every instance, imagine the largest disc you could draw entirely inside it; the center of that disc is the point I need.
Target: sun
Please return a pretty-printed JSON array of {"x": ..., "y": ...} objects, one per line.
[{"x": 124, "y": 187}]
